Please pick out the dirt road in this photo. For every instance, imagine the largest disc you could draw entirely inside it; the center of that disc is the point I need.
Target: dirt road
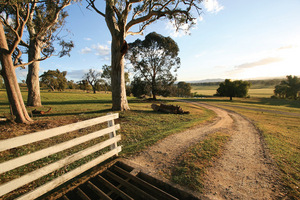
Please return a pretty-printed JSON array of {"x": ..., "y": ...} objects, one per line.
[{"x": 243, "y": 171}]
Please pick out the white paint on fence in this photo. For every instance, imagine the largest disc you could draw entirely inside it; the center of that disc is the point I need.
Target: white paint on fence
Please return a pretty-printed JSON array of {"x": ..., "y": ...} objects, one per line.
[{"x": 30, "y": 138}]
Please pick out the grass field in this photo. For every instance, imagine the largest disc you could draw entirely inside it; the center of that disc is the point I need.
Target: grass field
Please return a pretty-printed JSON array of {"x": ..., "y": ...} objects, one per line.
[
  {"x": 141, "y": 127},
  {"x": 280, "y": 130},
  {"x": 253, "y": 92}
]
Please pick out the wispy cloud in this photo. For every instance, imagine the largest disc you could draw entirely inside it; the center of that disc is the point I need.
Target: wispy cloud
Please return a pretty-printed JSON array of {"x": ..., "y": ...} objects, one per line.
[
  {"x": 264, "y": 61},
  {"x": 286, "y": 47},
  {"x": 87, "y": 39},
  {"x": 101, "y": 50},
  {"x": 85, "y": 50},
  {"x": 97, "y": 49},
  {"x": 250, "y": 69},
  {"x": 213, "y": 6}
]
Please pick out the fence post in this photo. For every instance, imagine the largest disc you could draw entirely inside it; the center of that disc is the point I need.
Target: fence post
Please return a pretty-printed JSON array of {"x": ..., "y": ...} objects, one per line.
[{"x": 112, "y": 134}]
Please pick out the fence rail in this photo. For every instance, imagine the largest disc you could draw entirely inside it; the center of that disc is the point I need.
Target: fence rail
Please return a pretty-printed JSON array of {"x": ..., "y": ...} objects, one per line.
[{"x": 42, "y": 135}]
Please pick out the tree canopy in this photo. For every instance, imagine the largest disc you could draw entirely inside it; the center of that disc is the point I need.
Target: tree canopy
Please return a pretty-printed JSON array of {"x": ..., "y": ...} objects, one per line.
[
  {"x": 54, "y": 79},
  {"x": 131, "y": 17},
  {"x": 154, "y": 59},
  {"x": 43, "y": 23},
  {"x": 231, "y": 89},
  {"x": 289, "y": 88},
  {"x": 183, "y": 89}
]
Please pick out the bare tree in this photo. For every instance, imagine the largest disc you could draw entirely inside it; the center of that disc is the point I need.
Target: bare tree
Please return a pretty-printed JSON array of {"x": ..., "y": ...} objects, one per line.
[
  {"x": 122, "y": 15},
  {"x": 93, "y": 78}
]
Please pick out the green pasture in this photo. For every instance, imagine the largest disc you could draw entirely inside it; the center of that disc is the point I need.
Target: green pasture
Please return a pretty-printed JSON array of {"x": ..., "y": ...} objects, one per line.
[
  {"x": 253, "y": 91},
  {"x": 277, "y": 119},
  {"x": 140, "y": 127}
]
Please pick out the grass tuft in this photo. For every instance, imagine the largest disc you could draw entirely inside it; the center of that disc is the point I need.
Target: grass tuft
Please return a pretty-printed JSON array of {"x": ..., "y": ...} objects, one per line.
[{"x": 193, "y": 163}]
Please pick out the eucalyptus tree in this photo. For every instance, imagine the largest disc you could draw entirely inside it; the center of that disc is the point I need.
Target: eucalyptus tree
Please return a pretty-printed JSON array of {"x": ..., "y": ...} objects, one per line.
[
  {"x": 9, "y": 41},
  {"x": 184, "y": 89},
  {"x": 289, "y": 88},
  {"x": 154, "y": 59},
  {"x": 54, "y": 79},
  {"x": 124, "y": 16},
  {"x": 43, "y": 24},
  {"x": 231, "y": 89},
  {"x": 47, "y": 17}
]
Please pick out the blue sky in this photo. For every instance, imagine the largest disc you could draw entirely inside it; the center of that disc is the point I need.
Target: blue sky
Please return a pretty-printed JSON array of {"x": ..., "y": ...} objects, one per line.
[{"x": 237, "y": 39}]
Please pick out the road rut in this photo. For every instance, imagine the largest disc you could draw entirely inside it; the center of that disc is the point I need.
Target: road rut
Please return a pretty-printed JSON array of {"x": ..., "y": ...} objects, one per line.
[{"x": 242, "y": 172}]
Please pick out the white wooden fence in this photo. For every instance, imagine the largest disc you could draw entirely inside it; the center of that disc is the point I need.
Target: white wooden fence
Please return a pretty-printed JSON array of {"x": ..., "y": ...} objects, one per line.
[{"x": 42, "y": 135}]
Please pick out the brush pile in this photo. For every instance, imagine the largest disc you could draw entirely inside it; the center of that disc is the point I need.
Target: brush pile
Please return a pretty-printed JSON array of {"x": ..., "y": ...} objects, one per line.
[{"x": 168, "y": 109}]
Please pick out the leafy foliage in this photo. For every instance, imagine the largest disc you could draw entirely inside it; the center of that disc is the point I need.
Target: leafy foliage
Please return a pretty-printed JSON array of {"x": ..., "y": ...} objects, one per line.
[
  {"x": 154, "y": 59},
  {"x": 289, "y": 88},
  {"x": 139, "y": 87},
  {"x": 106, "y": 74},
  {"x": 125, "y": 18},
  {"x": 184, "y": 89},
  {"x": 54, "y": 79},
  {"x": 84, "y": 85},
  {"x": 233, "y": 88},
  {"x": 46, "y": 18}
]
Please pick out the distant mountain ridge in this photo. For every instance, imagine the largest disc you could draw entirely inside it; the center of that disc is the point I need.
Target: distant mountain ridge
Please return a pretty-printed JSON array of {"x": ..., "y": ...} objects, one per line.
[
  {"x": 218, "y": 80},
  {"x": 207, "y": 80}
]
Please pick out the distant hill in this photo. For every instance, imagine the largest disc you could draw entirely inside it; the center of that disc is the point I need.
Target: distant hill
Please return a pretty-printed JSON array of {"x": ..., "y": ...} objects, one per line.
[
  {"x": 207, "y": 81},
  {"x": 257, "y": 83}
]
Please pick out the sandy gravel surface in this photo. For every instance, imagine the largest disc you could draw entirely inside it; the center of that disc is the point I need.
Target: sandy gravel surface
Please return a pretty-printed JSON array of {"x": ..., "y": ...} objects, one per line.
[{"x": 243, "y": 172}]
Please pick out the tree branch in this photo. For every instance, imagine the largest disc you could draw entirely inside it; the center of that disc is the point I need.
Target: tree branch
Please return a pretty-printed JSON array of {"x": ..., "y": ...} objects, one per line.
[
  {"x": 28, "y": 63},
  {"x": 91, "y": 4},
  {"x": 158, "y": 10},
  {"x": 19, "y": 28},
  {"x": 54, "y": 20}
]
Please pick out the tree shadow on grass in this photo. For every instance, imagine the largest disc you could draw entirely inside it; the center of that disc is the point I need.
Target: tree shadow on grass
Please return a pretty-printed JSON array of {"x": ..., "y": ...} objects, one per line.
[
  {"x": 74, "y": 113},
  {"x": 76, "y": 102}
]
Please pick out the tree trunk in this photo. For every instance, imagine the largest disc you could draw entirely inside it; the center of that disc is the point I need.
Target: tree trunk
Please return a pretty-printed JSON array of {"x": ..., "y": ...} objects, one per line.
[
  {"x": 119, "y": 99},
  {"x": 154, "y": 90},
  {"x": 10, "y": 79},
  {"x": 33, "y": 81},
  {"x": 230, "y": 98},
  {"x": 117, "y": 31}
]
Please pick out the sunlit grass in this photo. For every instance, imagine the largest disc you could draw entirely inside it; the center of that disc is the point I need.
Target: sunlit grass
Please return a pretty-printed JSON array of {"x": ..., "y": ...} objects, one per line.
[
  {"x": 192, "y": 164},
  {"x": 253, "y": 92},
  {"x": 279, "y": 129},
  {"x": 140, "y": 127}
]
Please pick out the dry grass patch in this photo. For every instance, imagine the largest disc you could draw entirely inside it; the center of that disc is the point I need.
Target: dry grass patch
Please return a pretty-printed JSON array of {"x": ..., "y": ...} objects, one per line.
[{"x": 192, "y": 164}]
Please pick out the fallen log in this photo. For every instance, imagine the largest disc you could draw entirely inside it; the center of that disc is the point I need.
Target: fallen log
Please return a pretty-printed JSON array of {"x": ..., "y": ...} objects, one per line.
[{"x": 168, "y": 109}]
